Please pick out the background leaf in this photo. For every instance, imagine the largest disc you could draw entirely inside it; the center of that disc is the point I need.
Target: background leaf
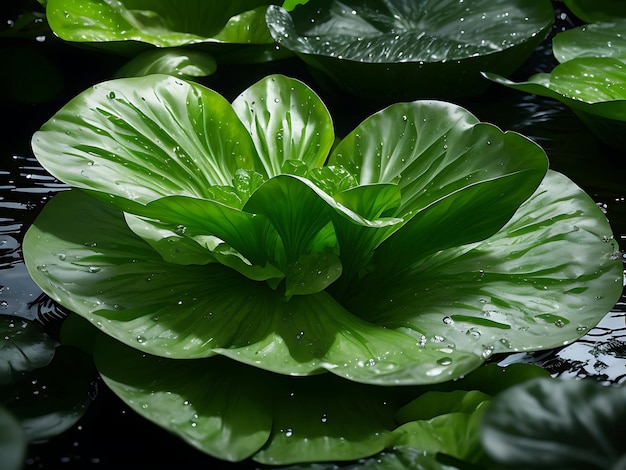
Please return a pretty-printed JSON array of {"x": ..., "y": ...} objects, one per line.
[
  {"x": 186, "y": 64},
  {"x": 25, "y": 347},
  {"x": 548, "y": 423},
  {"x": 155, "y": 22},
  {"x": 592, "y": 40},
  {"x": 387, "y": 51},
  {"x": 601, "y": 10}
]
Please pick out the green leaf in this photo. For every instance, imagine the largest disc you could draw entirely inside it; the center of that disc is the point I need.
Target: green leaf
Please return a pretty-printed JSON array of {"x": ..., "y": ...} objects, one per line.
[
  {"x": 143, "y": 138},
  {"x": 157, "y": 22},
  {"x": 392, "y": 50},
  {"x": 248, "y": 233},
  {"x": 591, "y": 80},
  {"x": 186, "y": 64},
  {"x": 287, "y": 121},
  {"x": 224, "y": 414},
  {"x": 399, "y": 458},
  {"x": 547, "y": 423},
  {"x": 288, "y": 203},
  {"x": 233, "y": 411},
  {"x": 492, "y": 296},
  {"x": 435, "y": 403},
  {"x": 446, "y": 164},
  {"x": 593, "y": 88},
  {"x": 246, "y": 28},
  {"x": 454, "y": 434},
  {"x": 596, "y": 11},
  {"x": 593, "y": 40}
]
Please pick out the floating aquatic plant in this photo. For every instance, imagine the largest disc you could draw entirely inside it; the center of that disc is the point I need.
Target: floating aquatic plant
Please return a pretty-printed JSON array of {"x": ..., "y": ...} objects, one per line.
[
  {"x": 392, "y": 50},
  {"x": 590, "y": 80},
  {"x": 408, "y": 253}
]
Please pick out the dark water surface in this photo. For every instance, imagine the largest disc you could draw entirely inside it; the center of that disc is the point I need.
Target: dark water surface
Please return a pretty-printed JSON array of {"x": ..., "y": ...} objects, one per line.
[{"x": 112, "y": 436}]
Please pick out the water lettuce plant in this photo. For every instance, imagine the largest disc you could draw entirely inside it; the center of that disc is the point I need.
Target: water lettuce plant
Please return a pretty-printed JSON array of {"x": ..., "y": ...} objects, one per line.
[
  {"x": 391, "y": 50},
  {"x": 590, "y": 79},
  {"x": 419, "y": 245}
]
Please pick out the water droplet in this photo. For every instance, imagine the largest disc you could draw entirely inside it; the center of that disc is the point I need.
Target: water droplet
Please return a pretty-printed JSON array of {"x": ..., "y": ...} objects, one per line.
[
  {"x": 94, "y": 269},
  {"x": 448, "y": 320},
  {"x": 288, "y": 432},
  {"x": 444, "y": 361},
  {"x": 324, "y": 418},
  {"x": 140, "y": 339},
  {"x": 473, "y": 332},
  {"x": 111, "y": 95}
]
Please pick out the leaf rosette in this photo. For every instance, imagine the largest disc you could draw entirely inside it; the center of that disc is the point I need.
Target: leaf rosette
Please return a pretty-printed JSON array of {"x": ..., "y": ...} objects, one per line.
[{"x": 408, "y": 253}]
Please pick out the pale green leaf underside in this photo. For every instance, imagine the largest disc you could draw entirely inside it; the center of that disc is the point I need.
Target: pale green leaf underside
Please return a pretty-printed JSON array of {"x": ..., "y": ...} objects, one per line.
[{"x": 408, "y": 31}]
